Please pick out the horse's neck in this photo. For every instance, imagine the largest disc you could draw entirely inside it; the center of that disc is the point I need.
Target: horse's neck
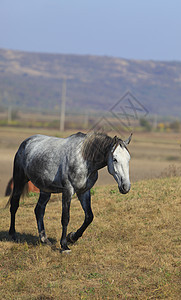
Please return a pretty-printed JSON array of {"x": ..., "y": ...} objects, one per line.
[
  {"x": 102, "y": 165},
  {"x": 95, "y": 154},
  {"x": 95, "y": 166}
]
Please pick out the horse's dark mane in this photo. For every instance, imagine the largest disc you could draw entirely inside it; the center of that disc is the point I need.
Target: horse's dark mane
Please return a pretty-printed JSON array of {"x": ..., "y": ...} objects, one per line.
[{"x": 96, "y": 146}]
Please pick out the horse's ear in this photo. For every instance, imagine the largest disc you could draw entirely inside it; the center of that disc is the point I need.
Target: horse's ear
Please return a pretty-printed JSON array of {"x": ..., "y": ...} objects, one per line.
[
  {"x": 126, "y": 142},
  {"x": 115, "y": 140}
]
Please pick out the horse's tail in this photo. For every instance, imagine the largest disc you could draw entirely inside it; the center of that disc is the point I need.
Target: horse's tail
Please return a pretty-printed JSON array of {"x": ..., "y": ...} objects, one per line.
[
  {"x": 9, "y": 187},
  {"x": 25, "y": 191},
  {"x": 23, "y": 195},
  {"x": 9, "y": 201}
]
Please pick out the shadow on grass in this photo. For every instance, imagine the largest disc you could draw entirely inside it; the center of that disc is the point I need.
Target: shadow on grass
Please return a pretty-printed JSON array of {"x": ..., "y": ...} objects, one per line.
[{"x": 22, "y": 238}]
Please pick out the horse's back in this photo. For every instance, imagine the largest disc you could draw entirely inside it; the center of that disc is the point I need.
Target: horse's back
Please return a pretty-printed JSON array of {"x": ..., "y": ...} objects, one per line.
[
  {"x": 48, "y": 147},
  {"x": 39, "y": 140}
]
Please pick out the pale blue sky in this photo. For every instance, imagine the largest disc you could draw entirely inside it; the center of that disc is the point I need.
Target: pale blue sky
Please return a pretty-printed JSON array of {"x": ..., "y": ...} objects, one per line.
[{"x": 136, "y": 29}]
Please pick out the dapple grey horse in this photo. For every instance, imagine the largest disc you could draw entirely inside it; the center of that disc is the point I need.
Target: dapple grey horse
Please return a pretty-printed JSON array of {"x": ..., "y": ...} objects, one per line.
[{"x": 67, "y": 166}]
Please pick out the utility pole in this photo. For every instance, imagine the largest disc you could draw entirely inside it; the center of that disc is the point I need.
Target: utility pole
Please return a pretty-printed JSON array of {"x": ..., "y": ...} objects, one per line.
[{"x": 62, "y": 113}]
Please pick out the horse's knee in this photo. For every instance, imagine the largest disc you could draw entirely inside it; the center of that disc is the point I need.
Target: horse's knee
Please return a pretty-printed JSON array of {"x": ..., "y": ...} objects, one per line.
[
  {"x": 39, "y": 212},
  {"x": 89, "y": 218}
]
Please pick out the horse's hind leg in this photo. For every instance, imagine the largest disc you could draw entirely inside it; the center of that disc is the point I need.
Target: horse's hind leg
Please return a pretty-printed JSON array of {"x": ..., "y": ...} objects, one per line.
[
  {"x": 39, "y": 212},
  {"x": 19, "y": 184},
  {"x": 66, "y": 200}
]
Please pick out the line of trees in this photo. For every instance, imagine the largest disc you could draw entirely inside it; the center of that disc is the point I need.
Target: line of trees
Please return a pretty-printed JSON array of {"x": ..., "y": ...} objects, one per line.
[{"x": 148, "y": 125}]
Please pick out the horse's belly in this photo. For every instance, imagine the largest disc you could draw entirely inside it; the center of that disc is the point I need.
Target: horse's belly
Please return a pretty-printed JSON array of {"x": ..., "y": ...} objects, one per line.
[
  {"x": 49, "y": 187},
  {"x": 46, "y": 182}
]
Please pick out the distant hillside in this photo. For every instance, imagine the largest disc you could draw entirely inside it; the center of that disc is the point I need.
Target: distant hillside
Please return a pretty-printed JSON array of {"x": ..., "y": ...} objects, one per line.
[{"x": 93, "y": 82}]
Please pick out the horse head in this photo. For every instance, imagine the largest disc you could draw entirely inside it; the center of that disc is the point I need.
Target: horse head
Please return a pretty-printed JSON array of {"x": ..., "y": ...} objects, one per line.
[{"x": 118, "y": 163}]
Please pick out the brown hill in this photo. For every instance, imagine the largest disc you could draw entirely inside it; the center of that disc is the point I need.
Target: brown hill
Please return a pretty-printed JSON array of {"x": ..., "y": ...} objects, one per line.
[{"x": 93, "y": 82}]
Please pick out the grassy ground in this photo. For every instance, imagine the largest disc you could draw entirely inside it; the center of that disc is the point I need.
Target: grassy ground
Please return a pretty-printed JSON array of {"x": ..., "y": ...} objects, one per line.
[{"x": 130, "y": 251}]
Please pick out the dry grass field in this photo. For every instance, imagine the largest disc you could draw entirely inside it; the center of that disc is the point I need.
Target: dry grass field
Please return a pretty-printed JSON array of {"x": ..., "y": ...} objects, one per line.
[{"x": 130, "y": 251}]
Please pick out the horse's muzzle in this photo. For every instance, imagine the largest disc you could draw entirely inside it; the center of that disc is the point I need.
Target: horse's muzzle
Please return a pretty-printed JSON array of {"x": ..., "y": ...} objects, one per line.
[{"x": 124, "y": 188}]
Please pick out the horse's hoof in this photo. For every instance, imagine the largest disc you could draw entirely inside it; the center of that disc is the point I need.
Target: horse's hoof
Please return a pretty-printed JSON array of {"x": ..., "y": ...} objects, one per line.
[
  {"x": 66, "y": 251},
  {"x": 43, "y": 238},
  {"x": 46, "y": 241},
  {"x": 70, "y": 239}
]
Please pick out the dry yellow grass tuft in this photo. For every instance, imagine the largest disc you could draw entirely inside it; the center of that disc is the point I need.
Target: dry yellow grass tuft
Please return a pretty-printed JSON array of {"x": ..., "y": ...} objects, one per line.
[{"x": 130, "y": 251}]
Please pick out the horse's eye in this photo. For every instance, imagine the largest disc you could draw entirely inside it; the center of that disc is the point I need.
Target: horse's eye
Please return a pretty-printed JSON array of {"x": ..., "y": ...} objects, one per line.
[{"x": 114, "y": 160}]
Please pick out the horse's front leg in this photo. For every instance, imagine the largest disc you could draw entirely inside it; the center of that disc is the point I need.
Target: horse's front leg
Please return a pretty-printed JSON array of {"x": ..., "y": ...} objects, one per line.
[
  {"x": 66, "y": 199},
  {"x": 85, "y": 200}
]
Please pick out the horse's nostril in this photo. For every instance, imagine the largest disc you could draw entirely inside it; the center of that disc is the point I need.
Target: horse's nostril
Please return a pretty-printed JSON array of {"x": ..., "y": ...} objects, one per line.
[{"x": 124, "y": 188}]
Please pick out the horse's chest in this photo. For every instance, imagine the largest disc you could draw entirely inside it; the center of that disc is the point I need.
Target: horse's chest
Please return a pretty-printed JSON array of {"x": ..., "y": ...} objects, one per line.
[
  {"x": 78, "y": 176},
  {"x": 82, "y": 180}
]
